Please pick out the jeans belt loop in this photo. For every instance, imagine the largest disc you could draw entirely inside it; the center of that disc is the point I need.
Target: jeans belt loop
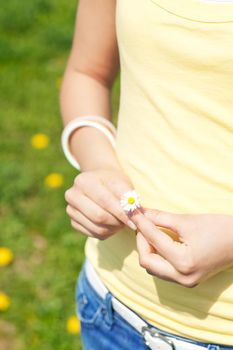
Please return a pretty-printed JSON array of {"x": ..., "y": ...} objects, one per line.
[{"x": 109, "y": 309}]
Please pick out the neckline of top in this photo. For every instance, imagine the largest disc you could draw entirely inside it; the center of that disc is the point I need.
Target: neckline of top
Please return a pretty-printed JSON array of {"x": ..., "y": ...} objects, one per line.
[{"x": 212, "y": 11}]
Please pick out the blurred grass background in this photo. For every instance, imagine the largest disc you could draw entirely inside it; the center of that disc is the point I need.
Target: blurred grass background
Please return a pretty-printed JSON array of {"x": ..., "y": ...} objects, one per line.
[{"x": 35, "y": 40}]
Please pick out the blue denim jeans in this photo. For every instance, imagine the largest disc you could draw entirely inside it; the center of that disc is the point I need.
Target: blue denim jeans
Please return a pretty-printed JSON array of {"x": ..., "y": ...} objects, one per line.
[{"x": 102, "y": 328}]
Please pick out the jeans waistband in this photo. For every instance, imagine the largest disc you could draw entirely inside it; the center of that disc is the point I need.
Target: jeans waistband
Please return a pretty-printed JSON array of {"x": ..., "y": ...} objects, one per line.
[{"x": 154, "y": 338}]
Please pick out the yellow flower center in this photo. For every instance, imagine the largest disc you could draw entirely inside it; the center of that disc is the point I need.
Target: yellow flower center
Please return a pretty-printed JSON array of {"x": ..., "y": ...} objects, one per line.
[{"x": 131, "y": 200}]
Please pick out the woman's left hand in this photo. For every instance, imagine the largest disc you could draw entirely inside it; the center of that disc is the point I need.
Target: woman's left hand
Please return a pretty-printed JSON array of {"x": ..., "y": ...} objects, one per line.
[{"x": 204, "y": 248}]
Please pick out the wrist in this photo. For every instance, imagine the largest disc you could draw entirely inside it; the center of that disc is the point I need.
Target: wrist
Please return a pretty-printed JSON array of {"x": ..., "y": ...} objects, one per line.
[
  {"x": 95, "y": 145},
  {"x": 92, "y": 150}
]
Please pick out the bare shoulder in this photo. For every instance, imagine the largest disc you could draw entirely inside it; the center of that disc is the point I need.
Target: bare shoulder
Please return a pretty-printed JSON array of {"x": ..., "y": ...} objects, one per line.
[{"x": 95, "y": 50}]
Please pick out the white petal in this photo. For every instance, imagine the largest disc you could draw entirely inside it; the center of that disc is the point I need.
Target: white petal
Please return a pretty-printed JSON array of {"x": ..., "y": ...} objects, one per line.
[{"x": 124, "y": 200}]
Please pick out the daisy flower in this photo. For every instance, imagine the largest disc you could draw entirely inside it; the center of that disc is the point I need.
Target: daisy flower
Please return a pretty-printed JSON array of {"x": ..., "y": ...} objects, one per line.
[{"x": 130, "y": 200}]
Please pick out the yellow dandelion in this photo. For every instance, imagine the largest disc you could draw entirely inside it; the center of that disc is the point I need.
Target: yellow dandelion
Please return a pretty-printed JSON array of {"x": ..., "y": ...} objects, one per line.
[
  {"x": 73, "y": 325},
  {"x": 39, "y": 141},
  {"x": 58, "y": 82},
  {"x": 6, "y": 256},
  {"x": 54, "y": 180},
  {"x": 4, "y": 301}
]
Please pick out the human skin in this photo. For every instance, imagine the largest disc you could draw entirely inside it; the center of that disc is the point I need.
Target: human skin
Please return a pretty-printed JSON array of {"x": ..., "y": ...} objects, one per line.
[
  {"x": 93, "y": 199},
  {"x": 204, "y": 246}
]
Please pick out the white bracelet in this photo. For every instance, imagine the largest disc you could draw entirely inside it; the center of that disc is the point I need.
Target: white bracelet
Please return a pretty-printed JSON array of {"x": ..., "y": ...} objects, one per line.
[
  {"x": 77, "y": 123},
  {"x": 99, "y": 118}
]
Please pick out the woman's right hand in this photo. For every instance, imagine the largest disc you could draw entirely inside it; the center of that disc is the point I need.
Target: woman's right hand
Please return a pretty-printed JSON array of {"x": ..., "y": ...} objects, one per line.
[{"x": 94, "y": 202}]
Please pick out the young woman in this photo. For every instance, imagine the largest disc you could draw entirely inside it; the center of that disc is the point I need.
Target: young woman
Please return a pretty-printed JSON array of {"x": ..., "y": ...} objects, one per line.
[{"x": 170, "y": 286}]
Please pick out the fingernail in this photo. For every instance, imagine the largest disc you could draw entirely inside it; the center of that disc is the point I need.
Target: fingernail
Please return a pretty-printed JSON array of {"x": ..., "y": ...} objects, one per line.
[{"x": 131, "y": 225}]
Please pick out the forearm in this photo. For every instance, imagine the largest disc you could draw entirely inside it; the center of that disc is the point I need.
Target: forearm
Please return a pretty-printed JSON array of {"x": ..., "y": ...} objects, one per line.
[{"x": 83, "y": 94}]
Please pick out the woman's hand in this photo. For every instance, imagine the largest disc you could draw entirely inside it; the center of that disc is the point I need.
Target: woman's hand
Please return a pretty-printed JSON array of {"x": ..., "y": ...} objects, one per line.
[
  {"x": 204, "y": 248},
  {"x": 93, "y": 202}
]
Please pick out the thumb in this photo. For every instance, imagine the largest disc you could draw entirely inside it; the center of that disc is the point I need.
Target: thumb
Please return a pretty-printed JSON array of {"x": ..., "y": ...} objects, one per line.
[{"x": 164, "y": 219}]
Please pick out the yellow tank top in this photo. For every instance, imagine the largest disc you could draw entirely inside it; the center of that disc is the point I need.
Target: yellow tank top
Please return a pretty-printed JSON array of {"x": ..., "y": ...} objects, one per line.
[{"x": 175, "y": 142}]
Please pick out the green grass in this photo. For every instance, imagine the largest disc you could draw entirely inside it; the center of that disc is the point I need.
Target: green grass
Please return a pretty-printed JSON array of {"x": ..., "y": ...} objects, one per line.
[{"x": 35, "y": 39}]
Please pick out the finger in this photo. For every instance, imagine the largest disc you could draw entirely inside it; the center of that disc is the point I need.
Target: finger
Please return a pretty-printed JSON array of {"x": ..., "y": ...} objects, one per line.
[
  {"x": 90, "y": 209},
  {"x": 143, "y": 245},
  {"x": 81, "y": 229},
  {"x": 171, "y": 223},
  {"x": 108, "y": 201},
  {"x": 118, "y": 187},
  {"x": 154, "y": 263},
  {"x": 164, "y": 244},
  {"x": 164, "y": 219},
  {"x": 95, "y": 230}
]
